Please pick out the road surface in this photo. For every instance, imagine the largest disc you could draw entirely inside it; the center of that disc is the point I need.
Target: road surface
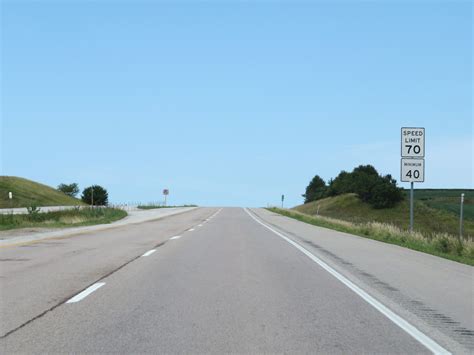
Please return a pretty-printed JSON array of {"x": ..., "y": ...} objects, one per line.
[{"x": 230, "y": 280}]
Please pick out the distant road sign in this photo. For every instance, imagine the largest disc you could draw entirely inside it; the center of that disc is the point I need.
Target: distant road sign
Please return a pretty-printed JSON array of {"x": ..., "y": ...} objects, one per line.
[
  {"x": 412, "y": 170},
  {"x": 166, "y": 192},
  {"x": 413, "y": 142}
]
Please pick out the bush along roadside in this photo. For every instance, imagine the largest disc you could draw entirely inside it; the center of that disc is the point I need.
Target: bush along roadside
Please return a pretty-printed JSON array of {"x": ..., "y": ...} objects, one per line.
[
  {"x": 68, "y": 218},
  {"x": 442, "y": 245}
]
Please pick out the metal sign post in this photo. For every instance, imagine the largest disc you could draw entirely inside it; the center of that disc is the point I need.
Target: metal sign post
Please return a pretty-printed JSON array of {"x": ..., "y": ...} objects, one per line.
[
  {"x": 166, "y": 192},
  {"x": 461, "y": 216},
  {"x": 412, "y": 167}
]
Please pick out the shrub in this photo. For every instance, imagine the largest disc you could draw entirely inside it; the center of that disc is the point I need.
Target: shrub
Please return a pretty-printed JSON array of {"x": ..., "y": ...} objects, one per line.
[
  {"x": 33, "y": 211},
  {"x": 95, "y": 195},
  {"x": 385, "y": 193},
  {"x": 69, "y": 189}
]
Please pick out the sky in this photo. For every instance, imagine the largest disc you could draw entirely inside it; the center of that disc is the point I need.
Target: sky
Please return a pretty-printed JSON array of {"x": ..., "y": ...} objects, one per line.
[{"x": 232, "y": 103}]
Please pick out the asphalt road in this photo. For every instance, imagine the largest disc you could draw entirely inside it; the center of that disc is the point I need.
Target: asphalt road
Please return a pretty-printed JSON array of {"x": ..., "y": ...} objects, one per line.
[{"x": 230, "y": 281}]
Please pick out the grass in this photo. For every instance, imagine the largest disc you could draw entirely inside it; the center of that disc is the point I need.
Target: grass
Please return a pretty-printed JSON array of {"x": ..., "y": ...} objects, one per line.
[
  {"x": 152, "y": 207},
  {"x": 442, "y": 245},
  {"x": 447, "y": 200},
  {"x": 59, "y": 219},
  {"x": 27, "y": 192},
  {"x": 429, "y": 220}
]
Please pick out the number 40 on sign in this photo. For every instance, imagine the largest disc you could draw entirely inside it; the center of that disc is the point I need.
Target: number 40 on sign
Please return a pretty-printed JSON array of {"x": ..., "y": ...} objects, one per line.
[{"x": 413, "y": 170}]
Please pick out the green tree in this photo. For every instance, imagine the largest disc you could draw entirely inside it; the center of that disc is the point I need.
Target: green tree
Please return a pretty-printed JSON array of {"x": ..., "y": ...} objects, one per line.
[
  {"x": 341, "y": 184},
  {"x": 95, "y": 195},
  {"x": 315, "y": 190},
  {"x": 385, "y": 193},
  {"x": 69, "y": 189},
  {"x": 364, "y": 178},
  {"x": 379, "y": 191}
]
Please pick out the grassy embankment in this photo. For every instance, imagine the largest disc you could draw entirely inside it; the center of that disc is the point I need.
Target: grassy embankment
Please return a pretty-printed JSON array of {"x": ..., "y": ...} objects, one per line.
[
  {"x": 27, "y": 193},
  {"x": 436, "y": 224}
]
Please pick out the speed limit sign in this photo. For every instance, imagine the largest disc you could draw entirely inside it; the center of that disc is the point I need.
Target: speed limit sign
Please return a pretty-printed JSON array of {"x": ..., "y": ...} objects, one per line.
[
  {"x": 412, "y": 170},
  {"x": 413, "y": 142}
]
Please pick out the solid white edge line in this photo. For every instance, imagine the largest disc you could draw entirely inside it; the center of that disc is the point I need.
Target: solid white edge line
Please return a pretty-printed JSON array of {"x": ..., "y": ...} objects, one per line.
[
  {"x": 175, "y": 237},
  {"x": 86, "y": 292},
  {"x": 149, "y": 252},
  {"x": 422, "y": 338}
]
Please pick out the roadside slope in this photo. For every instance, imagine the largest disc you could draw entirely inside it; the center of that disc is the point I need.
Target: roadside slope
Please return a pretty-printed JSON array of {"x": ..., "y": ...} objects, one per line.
[
  {"x": 27, "y": 192},
  {"x": 349, "y": 207}
]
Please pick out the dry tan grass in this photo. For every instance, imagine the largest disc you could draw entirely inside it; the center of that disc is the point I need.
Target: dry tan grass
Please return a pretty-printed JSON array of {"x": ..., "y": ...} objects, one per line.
[
  {"x": 72, "y": 219},
  {"x": 438, "y": 243}
]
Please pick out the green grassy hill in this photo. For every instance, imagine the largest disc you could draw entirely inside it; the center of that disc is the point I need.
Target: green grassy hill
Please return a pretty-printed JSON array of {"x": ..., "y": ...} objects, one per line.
[
  {"x": 27, "y": 192},
  {"x": 447, "y": 199},
  {"x": 434, "y": 211}
]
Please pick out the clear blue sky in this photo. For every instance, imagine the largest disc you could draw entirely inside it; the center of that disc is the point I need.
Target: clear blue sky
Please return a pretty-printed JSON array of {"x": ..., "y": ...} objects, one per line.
[{"x": 232, "y": 103}]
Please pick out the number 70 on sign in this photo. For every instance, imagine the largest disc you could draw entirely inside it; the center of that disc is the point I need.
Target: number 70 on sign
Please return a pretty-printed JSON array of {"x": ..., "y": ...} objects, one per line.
[{"x": 413, "y": 142}]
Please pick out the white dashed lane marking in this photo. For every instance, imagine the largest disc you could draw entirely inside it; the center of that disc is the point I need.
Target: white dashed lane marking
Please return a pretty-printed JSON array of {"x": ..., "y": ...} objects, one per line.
[
  {"x": 80, "y": 296},
  {"x": 149, "y": 252}
]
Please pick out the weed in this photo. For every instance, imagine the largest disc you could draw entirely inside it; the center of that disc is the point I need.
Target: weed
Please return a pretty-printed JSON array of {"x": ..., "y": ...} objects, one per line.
[{"x": 439, "y": 244}]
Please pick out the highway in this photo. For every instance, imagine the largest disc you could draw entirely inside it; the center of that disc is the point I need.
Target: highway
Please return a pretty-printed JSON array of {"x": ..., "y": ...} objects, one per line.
[{"x": 231, "y": 280}]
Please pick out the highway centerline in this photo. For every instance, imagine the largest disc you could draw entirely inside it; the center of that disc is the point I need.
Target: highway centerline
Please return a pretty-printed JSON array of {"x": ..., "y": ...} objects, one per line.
[
  {"x": 422, "y": 338},
  {"x": 80, "y": 296}
]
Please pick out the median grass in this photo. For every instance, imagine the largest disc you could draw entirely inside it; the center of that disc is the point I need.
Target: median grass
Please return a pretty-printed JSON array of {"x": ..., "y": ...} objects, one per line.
[
  {"x": 59, "y": 219},
  {"x": 440, "y": 244}
]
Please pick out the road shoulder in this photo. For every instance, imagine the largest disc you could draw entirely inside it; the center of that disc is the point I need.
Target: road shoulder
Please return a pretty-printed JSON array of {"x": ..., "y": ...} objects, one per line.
[
  {"x": 415, "y": 285},
  {"x": 32, "y": 235}
]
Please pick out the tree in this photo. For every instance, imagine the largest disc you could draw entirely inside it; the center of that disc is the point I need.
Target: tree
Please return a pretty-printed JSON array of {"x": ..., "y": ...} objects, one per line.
[
  {"x": 342, "y": 184},
  {"x": 379, "y": 191},
  {"x": 364, "y": 178},
  {"x": 95, "y": 195},
  {"x": 69, "y": 189},
  {"x": 315, "y": 190},
  {"x": 385, "y": 193}
]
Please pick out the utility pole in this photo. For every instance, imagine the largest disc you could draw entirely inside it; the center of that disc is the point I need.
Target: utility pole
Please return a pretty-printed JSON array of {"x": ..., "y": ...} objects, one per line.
[
  {"x": 282, "y": 200},
  {"x": 92, "y": 196}
]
